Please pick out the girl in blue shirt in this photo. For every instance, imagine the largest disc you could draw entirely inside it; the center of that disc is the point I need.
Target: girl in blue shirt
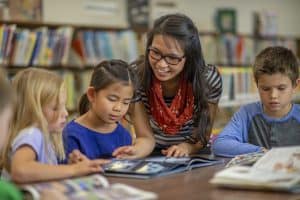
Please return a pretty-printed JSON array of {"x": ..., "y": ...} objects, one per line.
[{"x": 97, "y": 132}]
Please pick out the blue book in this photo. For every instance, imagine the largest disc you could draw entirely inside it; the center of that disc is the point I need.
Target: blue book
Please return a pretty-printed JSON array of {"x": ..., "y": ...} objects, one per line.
[
  {"x": 104, "y": 45},
  {"x": 156, "y": 166}
]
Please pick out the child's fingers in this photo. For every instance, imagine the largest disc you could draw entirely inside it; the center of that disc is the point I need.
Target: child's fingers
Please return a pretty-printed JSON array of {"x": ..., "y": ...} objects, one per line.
[
  {"x": 100, "y": 161},
  {"x": 77, "y": 156},
  {"x": 96, "y": 164},
  {"x": 74, "y": 159}
]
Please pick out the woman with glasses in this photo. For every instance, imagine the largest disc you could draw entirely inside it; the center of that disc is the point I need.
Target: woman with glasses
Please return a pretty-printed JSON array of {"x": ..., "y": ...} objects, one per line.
[{"x": 179, "y": 92}]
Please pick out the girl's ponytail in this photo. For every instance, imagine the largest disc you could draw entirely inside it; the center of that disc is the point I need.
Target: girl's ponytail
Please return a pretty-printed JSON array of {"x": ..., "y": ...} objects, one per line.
[{"x": 84, "y": 104}]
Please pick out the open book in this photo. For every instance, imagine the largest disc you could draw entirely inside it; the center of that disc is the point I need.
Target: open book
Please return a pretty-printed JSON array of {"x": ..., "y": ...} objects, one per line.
[
  {"x": 278, "y": 169},
  {"x": 89, "y": 187},
  {"x": 156, "y": 166},
  {"x": 245, "y": 159}
]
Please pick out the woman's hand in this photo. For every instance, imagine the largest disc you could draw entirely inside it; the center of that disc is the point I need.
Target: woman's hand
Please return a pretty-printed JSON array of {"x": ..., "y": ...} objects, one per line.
[
  {"x": 180, "y": 150},
  {"x": 125, "y": 152}
]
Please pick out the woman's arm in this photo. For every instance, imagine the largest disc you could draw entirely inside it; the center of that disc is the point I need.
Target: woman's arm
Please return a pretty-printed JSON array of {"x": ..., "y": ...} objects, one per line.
[
  {"x": 25, "y": 168},
  {"x": 213, "y": 108},
  {"x": 144, "y": 142}
]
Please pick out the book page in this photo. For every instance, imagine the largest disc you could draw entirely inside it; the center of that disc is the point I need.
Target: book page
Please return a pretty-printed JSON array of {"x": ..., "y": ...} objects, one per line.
[
  {"x": 125, "y": 192},
  {"x": 278, "y": 168},
  {"x": 280, "y": 160},
  {"x": 89, "y": 187},
  {"x": 147, "y": 166},
  {"x": 72, "y": 188}
]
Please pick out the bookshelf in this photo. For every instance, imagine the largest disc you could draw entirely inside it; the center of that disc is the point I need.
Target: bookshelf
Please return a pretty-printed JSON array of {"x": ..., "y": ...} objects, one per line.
[
  {"x": 234, "y": 55},
  {"x": 74, "y": 49},
  {"x": 71, "y": 50}
]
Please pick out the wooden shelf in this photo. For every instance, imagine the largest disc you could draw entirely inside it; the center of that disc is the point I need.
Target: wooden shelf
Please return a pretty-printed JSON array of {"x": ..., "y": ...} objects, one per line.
[
  {"x": 36, "y": 24},
  {"x": 239, "y": 101},
  {"x": 65, "y": 67}
]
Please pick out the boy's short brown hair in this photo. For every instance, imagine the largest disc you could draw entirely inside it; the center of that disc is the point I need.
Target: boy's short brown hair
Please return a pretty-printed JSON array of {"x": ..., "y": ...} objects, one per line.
[{"x": 276, "y": 59}]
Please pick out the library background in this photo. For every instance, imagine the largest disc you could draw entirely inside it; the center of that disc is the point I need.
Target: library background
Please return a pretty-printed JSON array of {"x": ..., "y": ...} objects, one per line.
[{"x": 72, "y": 36}]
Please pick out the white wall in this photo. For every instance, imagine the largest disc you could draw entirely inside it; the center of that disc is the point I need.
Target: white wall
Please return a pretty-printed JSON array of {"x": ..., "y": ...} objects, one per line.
[
  {"x": 202, "y": 13},
  {"x": 106, "y": 13}
]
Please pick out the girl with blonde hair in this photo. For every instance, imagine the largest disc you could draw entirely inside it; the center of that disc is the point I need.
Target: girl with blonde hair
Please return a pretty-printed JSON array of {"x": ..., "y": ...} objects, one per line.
[{"x": 35, "y": 140}]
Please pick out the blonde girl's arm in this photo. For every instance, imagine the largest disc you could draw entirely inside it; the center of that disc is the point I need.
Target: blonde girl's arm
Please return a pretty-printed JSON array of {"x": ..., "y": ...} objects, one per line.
[
  {"x": 144, "y": 142},
  {"x": 25, "y": 168}
]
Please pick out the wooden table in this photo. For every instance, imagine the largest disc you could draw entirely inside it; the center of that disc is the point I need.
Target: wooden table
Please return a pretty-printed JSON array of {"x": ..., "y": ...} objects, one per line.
[{"x": 194, "y": 185}]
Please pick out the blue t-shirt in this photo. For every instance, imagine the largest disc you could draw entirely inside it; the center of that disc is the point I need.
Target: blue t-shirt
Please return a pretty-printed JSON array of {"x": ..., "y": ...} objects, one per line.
[
  {"x": 94, "y": 144},
  {"x": 250, "y": 129}
]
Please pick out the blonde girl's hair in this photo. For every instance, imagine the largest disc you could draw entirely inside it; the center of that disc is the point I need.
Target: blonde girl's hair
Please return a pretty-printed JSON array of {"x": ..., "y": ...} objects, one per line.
[
  {"x": 7, "y": 98},
  {"x": 35, "y": 88}
]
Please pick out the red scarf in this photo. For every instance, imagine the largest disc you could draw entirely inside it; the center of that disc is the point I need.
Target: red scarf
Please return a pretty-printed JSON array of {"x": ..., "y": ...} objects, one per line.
[{"x": 170, "y": 119}]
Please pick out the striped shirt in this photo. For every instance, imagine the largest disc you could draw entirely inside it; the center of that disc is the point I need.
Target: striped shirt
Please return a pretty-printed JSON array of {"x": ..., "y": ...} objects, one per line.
[{"x": 214, "y": 82}]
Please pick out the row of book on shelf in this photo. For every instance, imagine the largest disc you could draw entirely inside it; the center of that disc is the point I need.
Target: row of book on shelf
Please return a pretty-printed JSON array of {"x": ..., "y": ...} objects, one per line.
[
  {"x": 238, "y": 86},
  {"x": 238, "y": 49},
  {"x": 64, "y": 45}
]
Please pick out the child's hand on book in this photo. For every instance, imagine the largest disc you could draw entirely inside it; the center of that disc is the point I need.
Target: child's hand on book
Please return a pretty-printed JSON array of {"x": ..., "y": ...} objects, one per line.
[
  {"x": 87, "y": 166},
  {"x": 76, "y": 156}
]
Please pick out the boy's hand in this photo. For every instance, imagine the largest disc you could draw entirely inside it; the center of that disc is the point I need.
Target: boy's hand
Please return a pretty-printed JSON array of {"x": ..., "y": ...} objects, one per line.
[
  {"x": 264, "y": 150},
  {"x": 125, "y": 152}
]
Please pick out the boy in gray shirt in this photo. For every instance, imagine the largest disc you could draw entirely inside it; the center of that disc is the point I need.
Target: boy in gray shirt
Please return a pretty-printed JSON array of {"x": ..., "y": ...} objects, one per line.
[{"x": 275, "y": 120}]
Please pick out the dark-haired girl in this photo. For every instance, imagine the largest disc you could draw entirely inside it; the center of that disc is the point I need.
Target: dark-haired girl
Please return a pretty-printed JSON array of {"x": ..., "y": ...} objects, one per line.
[{"x": 97, "y": 132}]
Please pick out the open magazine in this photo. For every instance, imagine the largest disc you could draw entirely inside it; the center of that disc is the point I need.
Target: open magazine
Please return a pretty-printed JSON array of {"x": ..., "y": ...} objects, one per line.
[
  {"x": 156, "y": 166},
  {"x": 278, "y": 169},
  {"x": 89, "y": 187}
]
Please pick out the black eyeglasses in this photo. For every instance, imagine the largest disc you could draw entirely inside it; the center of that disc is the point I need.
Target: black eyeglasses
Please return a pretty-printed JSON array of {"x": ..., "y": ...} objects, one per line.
[{"x": 170, "y": 59}]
